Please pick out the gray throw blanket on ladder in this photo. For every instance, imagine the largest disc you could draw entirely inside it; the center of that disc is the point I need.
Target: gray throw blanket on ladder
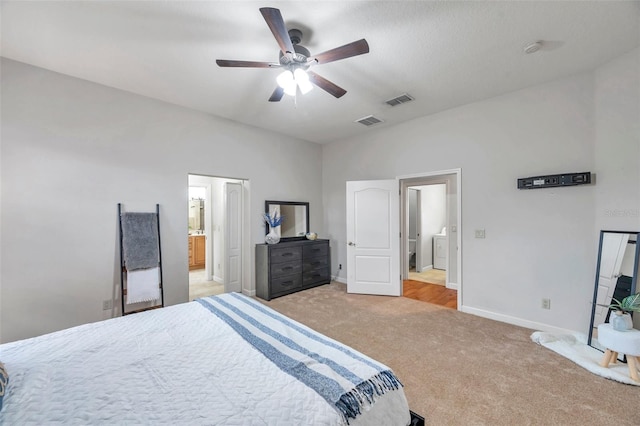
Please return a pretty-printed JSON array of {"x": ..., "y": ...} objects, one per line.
[{"x": 140, "y": 240}]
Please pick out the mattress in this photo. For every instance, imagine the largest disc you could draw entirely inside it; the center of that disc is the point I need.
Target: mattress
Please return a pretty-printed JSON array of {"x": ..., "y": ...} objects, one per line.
[{"x": 222, "y": 360}]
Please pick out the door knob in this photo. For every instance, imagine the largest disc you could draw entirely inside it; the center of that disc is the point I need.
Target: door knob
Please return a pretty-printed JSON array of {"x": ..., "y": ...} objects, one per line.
[{"x": 351, "y": 244}]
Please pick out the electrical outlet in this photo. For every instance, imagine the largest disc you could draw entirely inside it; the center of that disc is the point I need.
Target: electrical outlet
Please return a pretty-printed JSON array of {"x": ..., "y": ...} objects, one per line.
[
  {"x": 107, "y": 304},
  {"x": 479, "y": 233},
  {"x": 340, "y": 266},
  {"x": 546, "y": 303}
]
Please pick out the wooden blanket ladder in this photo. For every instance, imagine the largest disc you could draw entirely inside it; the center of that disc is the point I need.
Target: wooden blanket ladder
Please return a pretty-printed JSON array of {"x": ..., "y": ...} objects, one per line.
[{"x": 125, "y": 272}]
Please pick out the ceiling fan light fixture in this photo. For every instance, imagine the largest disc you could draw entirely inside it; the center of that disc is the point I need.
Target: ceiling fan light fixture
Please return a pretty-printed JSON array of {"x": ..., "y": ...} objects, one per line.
[
  {"x": 287, "y": 82},
  {"x": 302, "y": 79},
  {"x": 305, "y": 87},
  {"x": 294, "y": 57},
  {"x": 290, "y": 89},
  {"x": 300, "y": 75},
  {"x": 285, "y": 79}
]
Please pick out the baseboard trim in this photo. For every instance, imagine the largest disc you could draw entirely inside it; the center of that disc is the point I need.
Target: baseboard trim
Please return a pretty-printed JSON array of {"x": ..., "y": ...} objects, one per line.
[
  {"x": 452, "y": 286},
  {"x": 514, "y": 320},
  {"x": 426, "y": 268},
  {"x": 340, "y": 280},
  {"x": 250, "y": 293}
]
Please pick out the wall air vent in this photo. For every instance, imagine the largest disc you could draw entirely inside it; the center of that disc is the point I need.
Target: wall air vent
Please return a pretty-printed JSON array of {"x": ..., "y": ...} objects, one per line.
[
  {"x": 369, "y": 120},
  {"x": 402, "y": 99}
]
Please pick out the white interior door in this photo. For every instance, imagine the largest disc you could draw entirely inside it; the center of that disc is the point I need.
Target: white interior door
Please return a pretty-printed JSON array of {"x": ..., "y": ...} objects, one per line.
[
  {"x": 419, "y": 263},
  {"x": 233, "y": 237},
  {"x": 373, "y": 237},
  {"x": 208, "y": 232}
]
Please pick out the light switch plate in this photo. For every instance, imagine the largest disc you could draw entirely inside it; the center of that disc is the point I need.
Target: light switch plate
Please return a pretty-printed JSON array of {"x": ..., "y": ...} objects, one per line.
[{"x": 479, "y": 233}]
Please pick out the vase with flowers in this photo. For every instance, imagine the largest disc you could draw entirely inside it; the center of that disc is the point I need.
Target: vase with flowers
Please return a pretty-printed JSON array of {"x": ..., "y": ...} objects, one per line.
[{"x": 273, "y": 220}]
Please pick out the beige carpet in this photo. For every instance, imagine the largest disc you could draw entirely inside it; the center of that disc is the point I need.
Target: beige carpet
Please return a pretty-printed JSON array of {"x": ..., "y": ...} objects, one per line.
[{"x": 460, "y": 369}]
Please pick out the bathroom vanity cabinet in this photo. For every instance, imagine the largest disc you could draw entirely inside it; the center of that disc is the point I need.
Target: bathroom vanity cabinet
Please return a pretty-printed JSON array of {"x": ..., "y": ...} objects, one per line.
[
  {"x": 196, "y": 251},
  {"x": 291, "y": 266}
]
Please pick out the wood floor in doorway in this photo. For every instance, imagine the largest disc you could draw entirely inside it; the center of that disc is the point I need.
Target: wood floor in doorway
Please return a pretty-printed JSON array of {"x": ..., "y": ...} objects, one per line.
[{"x": 432, "y": 293}]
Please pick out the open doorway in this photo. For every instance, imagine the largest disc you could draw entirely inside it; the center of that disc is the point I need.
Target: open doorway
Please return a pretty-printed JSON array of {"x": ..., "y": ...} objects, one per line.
[
  {"x": 216, "y": 216},
  {"x": 430, "y": 223},
  {"x": 428, "y": 253}
]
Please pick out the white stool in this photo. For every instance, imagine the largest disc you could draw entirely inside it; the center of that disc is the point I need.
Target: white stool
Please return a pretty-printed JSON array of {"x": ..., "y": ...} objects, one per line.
[{"x": 623, "y": 342}]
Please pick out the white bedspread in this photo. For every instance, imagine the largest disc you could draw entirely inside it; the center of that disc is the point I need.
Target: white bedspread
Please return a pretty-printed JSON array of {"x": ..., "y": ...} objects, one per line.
[{"x": 177, "y": 365}]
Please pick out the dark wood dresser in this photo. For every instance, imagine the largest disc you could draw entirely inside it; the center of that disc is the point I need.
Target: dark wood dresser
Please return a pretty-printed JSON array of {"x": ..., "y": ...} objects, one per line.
[{"x": 291, "y": 266}]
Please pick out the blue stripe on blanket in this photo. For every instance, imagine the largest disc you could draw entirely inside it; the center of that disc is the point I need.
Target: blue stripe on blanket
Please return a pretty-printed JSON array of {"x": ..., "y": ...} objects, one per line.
[
  {"x": 328, "y": 388},
  {"x": 348, "y": 402},
  {"x": 260, "y": 307},
  {"x": 353, "y": 378}
]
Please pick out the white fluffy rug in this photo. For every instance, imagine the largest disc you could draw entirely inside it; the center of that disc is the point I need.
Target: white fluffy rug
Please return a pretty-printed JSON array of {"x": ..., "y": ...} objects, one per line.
[{"x": 575, "y": 348}]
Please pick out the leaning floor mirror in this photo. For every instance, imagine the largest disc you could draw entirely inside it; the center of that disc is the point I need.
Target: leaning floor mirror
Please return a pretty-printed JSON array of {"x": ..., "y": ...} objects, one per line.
[{"x": 616, "y": 278}]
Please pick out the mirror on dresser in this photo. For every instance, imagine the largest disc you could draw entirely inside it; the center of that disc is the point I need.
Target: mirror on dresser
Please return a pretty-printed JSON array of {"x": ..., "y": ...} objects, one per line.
[
  {"x": 295, "y": 218},
  {"x": 616, "y": 278}
]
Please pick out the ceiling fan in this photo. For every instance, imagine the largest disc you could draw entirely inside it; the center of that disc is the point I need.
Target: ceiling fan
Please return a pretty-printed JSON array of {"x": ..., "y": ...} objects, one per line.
[{"x": 296, "y": 60}]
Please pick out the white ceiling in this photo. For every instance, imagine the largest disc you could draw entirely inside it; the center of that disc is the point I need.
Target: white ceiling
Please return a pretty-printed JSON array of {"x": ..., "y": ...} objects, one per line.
[{"x": 445, "y": 53}]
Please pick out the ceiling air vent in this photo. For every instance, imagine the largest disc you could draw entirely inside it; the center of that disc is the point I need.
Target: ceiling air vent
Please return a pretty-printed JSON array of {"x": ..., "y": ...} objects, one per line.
[
  {"x": 402, "y": 99},
  {"x": 369, "y": 120}
]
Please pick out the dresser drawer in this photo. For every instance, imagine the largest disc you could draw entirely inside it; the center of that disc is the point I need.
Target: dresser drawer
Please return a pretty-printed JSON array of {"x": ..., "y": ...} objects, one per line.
[
  {"x": 285, "y": 254},
  {"x": 317, "y": 275},
  {"x": 314, "y": 250},
  {"x": 315, "y": 263},
  {"x": 286, "y": 283},
  {"x": 285, "y": 268}
]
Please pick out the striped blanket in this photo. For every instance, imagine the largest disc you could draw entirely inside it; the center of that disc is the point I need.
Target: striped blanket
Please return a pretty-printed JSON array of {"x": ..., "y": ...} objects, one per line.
[{"x": 345, "y": 378}]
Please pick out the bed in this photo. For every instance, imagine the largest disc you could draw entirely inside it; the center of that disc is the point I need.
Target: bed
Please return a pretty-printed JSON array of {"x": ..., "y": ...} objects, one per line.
[{"x": 222, "y": 360}]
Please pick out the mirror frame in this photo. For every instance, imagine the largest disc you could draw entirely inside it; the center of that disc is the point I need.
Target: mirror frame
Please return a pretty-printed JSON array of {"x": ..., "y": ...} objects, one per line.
[
  {"x": 267, "y": 203},
  {"x": 634, "y": 278}
]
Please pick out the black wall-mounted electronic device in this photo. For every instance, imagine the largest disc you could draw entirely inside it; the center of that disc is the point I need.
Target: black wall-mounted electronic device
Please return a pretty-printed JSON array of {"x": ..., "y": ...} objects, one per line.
[{"x": 549, "y": 181}]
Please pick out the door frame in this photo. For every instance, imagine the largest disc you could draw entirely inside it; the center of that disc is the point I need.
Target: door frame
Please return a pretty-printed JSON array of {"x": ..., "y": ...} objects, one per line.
[
  {"x": 436, "y": 177},
  {"x": 245, "y": 220}
]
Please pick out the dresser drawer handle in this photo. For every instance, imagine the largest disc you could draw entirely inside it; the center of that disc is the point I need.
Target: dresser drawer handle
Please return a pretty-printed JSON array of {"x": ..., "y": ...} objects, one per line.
[
  {"x": 287, "y": 254},
  {"x": 286, "y": 268},
  {"x": 287, "y": 283}
]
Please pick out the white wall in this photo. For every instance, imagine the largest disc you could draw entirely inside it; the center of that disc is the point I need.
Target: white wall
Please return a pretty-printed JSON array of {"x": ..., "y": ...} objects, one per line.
[
  {"x": 71, "y": 150},
  {"x": 539, "y": 243},
  {"x": 434, "y": 209},
  {"x": 617, "y": 149},
  {"x": 617, "y": 144}
]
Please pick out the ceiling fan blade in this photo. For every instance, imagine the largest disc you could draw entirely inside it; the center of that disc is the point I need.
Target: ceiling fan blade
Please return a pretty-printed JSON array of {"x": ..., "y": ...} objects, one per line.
[
  {"x": 245, "y": 64},
  {"x": 277, "y": 94},
  {"x": 326, "y": 85},
  {"x": 348, "y": 50},
  {"x": 277, "y": 27}
]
